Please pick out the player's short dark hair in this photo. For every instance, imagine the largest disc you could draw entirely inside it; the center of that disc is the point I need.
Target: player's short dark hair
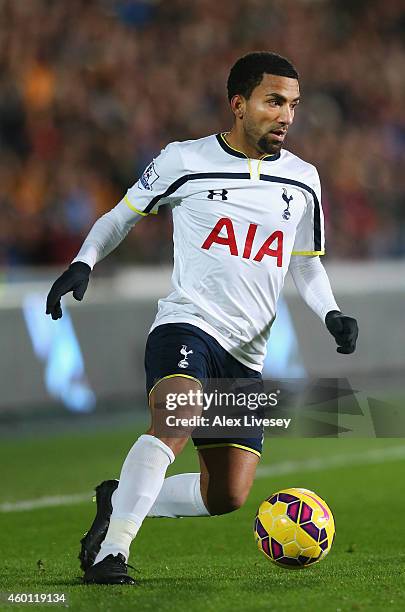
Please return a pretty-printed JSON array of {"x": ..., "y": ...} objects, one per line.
[{"x": 247, "y": 72}]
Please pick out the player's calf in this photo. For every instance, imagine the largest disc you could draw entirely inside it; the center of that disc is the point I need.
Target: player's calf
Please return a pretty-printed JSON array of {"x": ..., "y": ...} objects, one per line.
[
  {"x": 227, "y": 475},
  {"x": 226, "y": 501}
]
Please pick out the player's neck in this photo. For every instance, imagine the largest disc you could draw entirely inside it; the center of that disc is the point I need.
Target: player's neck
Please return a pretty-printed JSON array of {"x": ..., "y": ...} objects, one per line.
[{"x": 238, "y": 142}]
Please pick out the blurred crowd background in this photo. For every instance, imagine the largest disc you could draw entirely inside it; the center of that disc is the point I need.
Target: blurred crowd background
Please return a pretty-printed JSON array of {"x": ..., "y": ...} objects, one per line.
[{"x": 91, "y": 90}]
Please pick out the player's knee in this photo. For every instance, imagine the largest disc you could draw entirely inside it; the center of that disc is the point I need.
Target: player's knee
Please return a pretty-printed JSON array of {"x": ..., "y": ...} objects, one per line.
[{"x": 229, "y": 501}]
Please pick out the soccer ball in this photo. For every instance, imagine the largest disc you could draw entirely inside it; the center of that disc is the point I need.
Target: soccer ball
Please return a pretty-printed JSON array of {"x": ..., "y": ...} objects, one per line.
[{"x": 294, "y": 528}]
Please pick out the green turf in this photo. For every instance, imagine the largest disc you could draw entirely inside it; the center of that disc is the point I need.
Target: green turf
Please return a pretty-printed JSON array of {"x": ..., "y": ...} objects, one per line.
[{"x": 205, "y": 563}]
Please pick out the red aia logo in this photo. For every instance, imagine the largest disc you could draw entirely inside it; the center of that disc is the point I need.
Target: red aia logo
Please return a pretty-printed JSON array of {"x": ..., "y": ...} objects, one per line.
[{"x": 275, "y": 240}]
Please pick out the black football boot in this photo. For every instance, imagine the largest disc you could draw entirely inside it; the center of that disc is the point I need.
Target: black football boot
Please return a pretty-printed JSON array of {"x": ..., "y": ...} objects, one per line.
[
  {"x": 91, "y": 542},
  {"x": 111, "y": 570}
]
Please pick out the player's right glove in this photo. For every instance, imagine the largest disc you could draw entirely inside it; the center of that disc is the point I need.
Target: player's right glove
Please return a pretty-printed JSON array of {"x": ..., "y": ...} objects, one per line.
[
  {"x": 344, "y": 329},
  {"x": 76, "y": 279}
]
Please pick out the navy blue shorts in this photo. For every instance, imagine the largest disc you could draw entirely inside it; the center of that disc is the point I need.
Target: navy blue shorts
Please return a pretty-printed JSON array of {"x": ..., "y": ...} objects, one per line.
[{"x": 168, "y": 353}]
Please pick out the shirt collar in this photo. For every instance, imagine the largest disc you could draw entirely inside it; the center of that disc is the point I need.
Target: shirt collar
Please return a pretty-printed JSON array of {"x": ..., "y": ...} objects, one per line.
[{"x": 236, "y": 153}]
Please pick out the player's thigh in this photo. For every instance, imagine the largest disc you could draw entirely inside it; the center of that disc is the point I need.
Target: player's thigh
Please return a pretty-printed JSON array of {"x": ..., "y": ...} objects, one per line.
[
  {"x": 227, "y": 475},
  {"x": 173, "y": 403}
]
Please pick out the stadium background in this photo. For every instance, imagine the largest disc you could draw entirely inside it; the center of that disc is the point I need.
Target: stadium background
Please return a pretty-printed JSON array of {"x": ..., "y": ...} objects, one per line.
[{"x": 89, "y": 92}]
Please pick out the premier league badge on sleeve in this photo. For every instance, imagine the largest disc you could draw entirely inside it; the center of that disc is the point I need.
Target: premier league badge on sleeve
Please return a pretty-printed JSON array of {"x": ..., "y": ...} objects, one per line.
[{"x": 148, "y": 177}]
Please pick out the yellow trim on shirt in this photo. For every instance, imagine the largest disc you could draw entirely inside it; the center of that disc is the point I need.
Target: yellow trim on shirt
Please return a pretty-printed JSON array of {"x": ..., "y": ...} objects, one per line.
[
  {"x": 230, "y": 146},
  {"x": 246, "y": 448},
  {"x": 128, "y": 203},
  {"x": 237, "y": 150},
  {"x": 173, "y": 376},
  {"x": 132, "y": 207},
  {"x": 308, "y": 253},
  {"x": 248, "y": 158},
  {"x": 250, "y": 168}
]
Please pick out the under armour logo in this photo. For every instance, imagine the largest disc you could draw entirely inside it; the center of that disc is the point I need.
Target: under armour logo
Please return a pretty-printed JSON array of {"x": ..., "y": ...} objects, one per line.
[
  {"x": 287, "y": 199},
  {"x": 183, "y": 363},
  {"x": 212, "y": 193}
]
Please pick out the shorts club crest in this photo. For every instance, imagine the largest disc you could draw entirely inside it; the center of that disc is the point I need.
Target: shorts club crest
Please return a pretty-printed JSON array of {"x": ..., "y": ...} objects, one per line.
[{"x": 183, "y": 363}]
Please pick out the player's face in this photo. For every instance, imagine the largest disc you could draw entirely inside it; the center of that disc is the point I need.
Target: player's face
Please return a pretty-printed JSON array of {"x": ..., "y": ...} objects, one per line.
[{"x": 269, "y": 112}]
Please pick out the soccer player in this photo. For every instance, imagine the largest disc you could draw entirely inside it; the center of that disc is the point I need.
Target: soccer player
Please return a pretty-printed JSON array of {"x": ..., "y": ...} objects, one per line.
[{"x": 245, "y": 211}]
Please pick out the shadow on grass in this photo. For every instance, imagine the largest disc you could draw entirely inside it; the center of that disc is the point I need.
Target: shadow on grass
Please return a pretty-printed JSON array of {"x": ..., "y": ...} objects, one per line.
[{"x": 58, "y": 582}]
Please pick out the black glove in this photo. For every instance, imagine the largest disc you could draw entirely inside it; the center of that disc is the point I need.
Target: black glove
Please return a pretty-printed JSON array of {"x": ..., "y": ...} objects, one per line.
[
  {"x": 76, "y": 279},
  {"x": 344, "y": 329}
]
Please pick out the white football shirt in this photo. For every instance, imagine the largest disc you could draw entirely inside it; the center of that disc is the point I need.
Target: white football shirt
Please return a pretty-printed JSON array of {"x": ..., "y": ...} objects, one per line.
[{"x": 237, "y": 222}]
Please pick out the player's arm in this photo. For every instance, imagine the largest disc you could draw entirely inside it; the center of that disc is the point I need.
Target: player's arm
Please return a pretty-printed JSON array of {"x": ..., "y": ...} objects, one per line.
[
  {"x": 105, "y": 235},
  {"x": 313, "y": 285},
  {"x": 310, "y": 276},
  {"x": 151, "y": 191}
]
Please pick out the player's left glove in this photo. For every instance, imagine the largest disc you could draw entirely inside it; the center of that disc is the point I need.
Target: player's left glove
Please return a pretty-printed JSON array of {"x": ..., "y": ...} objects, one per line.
[
  {"x": 76, "y": 279},
  {"x": 344, "y": 329}
]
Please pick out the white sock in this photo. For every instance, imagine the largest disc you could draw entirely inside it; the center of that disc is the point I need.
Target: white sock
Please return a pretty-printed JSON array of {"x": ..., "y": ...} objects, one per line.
[
  {"x": 141, "y": 479},
  {"x": 179, "y": 496}
]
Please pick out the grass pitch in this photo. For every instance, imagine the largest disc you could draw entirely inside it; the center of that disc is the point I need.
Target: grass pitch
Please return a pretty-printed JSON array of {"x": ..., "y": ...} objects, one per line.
[{"x": 205, "y": 564}]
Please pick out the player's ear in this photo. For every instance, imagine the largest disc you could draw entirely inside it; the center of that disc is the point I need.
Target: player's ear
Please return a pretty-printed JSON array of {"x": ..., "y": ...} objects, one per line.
[{"x": 238, "y": 104}]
